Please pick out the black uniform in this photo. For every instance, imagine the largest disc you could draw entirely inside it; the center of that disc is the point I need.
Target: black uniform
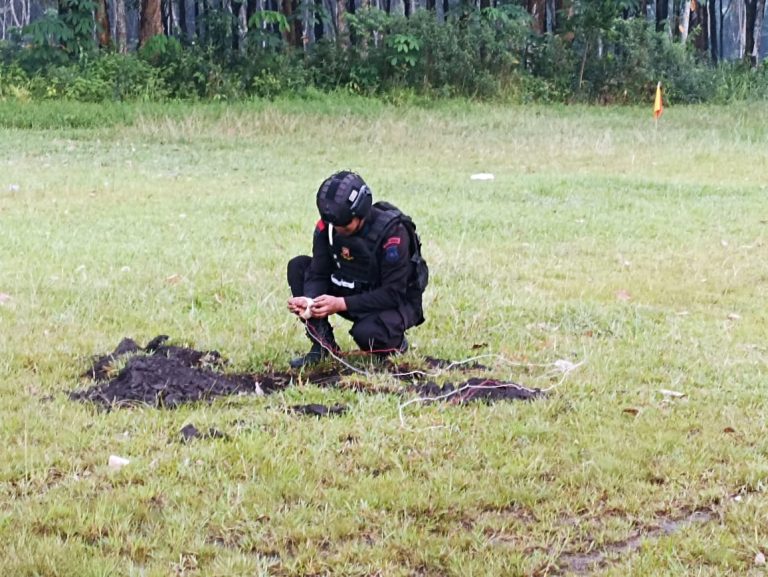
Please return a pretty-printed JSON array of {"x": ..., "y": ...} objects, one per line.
[{"x": 371, "y": 270}]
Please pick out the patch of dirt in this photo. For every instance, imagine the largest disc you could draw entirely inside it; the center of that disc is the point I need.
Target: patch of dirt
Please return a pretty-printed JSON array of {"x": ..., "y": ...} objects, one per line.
[
  {"x": 586, "y": 563},
  {"x": 319, "y": 410},
  {"x": 167, "y": 376},
  {"x": 189, "y": 432},
  {"x": 477, "y": 389}
]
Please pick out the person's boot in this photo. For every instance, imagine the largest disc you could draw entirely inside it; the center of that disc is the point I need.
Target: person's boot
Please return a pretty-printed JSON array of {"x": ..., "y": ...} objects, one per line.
[
  {"x": 321, "y": 331},
  {"x": 316, "y": 354}
]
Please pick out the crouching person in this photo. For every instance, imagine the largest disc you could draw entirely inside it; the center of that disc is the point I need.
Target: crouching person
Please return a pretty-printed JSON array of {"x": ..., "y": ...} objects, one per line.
[{"x": 366, "y": 266}]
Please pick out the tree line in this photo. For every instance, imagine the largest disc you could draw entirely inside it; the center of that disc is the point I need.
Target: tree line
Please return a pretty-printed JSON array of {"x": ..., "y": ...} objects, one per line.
[
  {"x": 725, "y": 29},
  {"x": 553, "y": 49}
]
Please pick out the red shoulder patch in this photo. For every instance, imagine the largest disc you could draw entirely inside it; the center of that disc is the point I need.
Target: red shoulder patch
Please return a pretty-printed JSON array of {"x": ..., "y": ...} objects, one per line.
[
  {"x": 320, "y": 226},
  {"x": 392, "y": 241}
]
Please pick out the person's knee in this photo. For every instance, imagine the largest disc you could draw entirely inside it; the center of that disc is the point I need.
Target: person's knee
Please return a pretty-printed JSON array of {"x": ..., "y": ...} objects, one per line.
[
  {"x": 379, "y": 332},
  {"x": 297, "y": 267},
  {"x": 365, "y": 334}
]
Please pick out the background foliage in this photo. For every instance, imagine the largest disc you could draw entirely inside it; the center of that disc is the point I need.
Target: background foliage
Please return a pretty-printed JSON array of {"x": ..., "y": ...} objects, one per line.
[{"x": 598, "y": 55}]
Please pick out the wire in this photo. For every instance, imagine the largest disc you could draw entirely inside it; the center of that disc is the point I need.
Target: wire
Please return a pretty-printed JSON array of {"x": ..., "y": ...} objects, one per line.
[
  {"x": 562, "y": 367},
  {"x": 337, "y": 355},
  {"x": 481, "y": 386}
]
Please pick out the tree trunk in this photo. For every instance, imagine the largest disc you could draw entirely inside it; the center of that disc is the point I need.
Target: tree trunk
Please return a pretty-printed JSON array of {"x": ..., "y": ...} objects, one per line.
[
  {"x": 341, "y": 22},
  {"x": 551, "y": 8},
  {"x": 166, "y": 17},
  {"x": 308, "y": 21},
  {"x": 538, "y": 11},
  {"x": 102, "y": 22},
  {"x": 671, "y": 18},
  {"x": 749, "y": 23},
  {"x": 289, "y": 34},
  {"x": 710, "y": 31},
  {"x": 741, "y": 19},
  {"x": 120, "y": 29},
  {"x": 720, "y": 30},
  {"x": 200, "y": 16},
  {"x": 757, "y": 35},
  {"x": 151, "y": 21},
  {"x": 11, "y": 18},
  {"x": 685, "y": 18},
  {"x": 583, "y": 64},
  {"x": 183, "y": 28},
  {"x": 242, "y": 26},
  {"x": 699, "y": 18}
]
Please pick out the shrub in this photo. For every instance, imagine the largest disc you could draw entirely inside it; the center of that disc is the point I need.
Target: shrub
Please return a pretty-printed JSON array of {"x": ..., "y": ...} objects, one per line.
[{"x": 107, "y": 77}]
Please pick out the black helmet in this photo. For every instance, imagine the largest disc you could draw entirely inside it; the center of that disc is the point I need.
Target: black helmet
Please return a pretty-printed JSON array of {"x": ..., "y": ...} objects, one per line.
[{"x": 342, "y": 197}]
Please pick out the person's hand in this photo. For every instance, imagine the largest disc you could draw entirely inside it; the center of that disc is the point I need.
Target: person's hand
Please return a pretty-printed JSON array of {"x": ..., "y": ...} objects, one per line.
[
  {"x": 327, "y": 305},
  {"x": 297, "y": 305}
]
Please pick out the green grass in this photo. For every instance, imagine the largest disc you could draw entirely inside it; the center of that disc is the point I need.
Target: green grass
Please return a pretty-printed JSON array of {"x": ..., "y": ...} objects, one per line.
[{"x": 588, "y": 205}]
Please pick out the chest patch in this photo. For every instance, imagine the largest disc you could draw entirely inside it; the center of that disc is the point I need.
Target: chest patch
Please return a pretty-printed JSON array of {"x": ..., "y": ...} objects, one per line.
[{"x": 345, "y": 254}]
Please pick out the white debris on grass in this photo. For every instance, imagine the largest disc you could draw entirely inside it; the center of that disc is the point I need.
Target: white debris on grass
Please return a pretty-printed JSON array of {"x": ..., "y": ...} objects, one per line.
[
  {"x": 482, "y": 176},
  {"x": 116, "y": 462},
  {"x": 672, "y": 394}
]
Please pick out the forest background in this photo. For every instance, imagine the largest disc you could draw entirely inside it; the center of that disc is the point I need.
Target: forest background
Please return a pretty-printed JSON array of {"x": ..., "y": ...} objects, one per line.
[{"x": 603, "y": 51}]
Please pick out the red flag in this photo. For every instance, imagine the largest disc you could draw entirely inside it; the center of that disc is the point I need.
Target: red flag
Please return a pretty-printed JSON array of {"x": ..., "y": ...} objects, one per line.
[{"x": 658, "y": 105}]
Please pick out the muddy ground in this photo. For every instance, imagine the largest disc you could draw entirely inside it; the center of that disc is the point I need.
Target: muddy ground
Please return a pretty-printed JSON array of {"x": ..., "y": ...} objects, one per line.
[{"x": 166, "y": 376}]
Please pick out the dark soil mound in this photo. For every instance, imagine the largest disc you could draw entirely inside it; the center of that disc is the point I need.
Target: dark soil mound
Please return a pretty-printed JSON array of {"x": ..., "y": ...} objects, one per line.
[
  {"x": 477, "y": 389},
  {"x": 168, "y": 376},
  {"x": 165, "y": 382},
  {"x": 161, "y": 375},
  {"x": 319, "y": 410}
]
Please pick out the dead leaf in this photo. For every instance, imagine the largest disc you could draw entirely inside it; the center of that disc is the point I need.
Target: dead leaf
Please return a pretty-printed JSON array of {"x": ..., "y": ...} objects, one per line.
[
  {"x": 479, "y": 346},
  {"x": 631, "y": 411},
  {"x": 623, "y": 295},
  {"x": 734, "y": 317},
  {"x": 729, "y": 430},
  {"x": 173, "y": 279}
]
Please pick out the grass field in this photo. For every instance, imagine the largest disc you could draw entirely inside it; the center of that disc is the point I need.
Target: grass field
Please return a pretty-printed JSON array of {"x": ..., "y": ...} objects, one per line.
[{"x": 640, "y": 253}]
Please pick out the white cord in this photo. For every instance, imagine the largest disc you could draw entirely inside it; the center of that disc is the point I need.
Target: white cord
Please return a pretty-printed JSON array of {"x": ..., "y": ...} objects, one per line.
[
  {"x": 566, "y": 372},
  {"x": 457, "y": 391}
]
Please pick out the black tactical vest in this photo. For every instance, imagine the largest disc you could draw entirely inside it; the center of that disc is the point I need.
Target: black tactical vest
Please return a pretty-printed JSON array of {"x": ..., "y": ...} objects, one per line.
[{"x": 355, "y": 256}]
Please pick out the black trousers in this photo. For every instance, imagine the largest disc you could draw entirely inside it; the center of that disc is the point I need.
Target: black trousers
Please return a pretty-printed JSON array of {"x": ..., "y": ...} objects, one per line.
[{"x": 379, "y": 331}]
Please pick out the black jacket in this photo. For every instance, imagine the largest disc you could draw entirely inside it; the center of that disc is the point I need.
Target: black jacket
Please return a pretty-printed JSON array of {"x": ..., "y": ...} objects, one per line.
[{"x": 371, "y": 276}]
